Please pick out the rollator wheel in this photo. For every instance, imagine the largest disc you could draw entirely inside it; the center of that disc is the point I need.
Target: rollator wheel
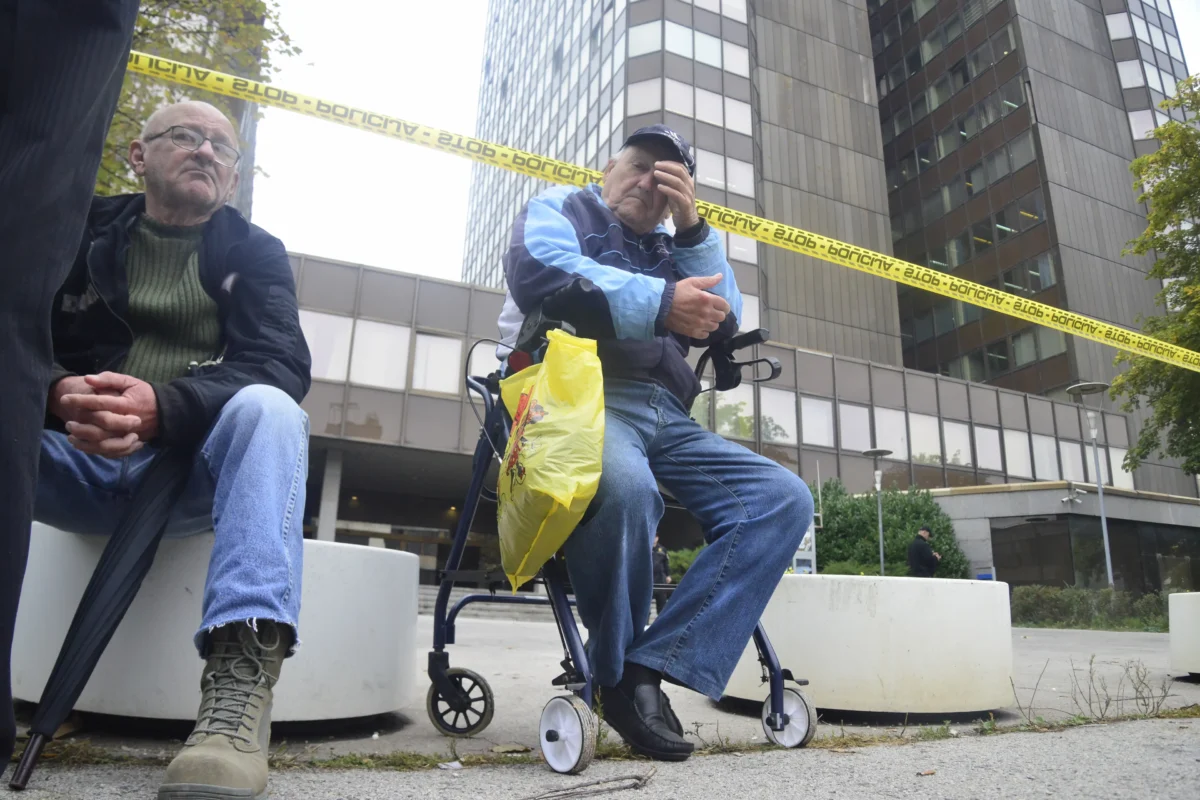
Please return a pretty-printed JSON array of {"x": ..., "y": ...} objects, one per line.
[
  {"x": 473, "y": 719},
  {"x": 802, "y": 720},
  {"x": 567, "y": 734}
]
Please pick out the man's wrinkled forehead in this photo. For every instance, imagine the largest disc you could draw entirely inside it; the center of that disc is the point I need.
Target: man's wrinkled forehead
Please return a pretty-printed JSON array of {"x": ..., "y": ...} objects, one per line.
[
  {"x": 650, "y": 151},
  {"x": 202, "y": 118}
]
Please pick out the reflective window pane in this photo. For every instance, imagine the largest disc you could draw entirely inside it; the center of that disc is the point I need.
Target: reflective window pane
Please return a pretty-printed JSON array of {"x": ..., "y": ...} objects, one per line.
[
  {"x": 437, "y": 366},
  {"x": 329, "y": 342},
  {"x": 737, "y": 59},
  {"x": 926, "y": 439},
  {"x": 1089, "y": 464},
  {"x": 818, "y": 421},
  {"x": 1118, "y": 26},
  {"x": 1051, "y": 342},
  {"x": 645, "y": 38},
  {"x": 1122, "y": 479},
  {"x": 644, "y": 97},
  {"x": 708, "y": 49},
  {"x": 740, "y": 175},
  {"x": 1072, "y": 461},
  {"x": 703, "y": 405},
  {"x": 854, "y": 425},
  {"x": 1131, "y": 74},
  {"x": 710, "y": 169},
  {"x": 891, "y": 433},
  {"x": 743, "y": 248},
  {"x": 483, "y": 360},
  {"x": 709, "y": 107},
  {"x": 735, "y": 412},
  {"x": 1016, "y": 451},
  {"x": 958, "y": 443},
  {"x": 750, "y": 317},
  {"x": 380, "y": 355},
  {"x": 737, "y": 116},
  {"x": 987, "y": 448},
  {"x": 678, "y": 39},
  {"x": 1045, "y": 457},
  {"x": 777, "y": 416},
  {"x": 679, "y": 97}
]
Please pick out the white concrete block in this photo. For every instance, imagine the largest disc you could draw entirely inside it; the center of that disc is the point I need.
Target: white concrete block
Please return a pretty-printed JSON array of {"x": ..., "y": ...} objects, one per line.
[
  {"x": 1183, "y": 614},
  {"x": 888, "y": 644},
  {"x": 358, "y": 617}
]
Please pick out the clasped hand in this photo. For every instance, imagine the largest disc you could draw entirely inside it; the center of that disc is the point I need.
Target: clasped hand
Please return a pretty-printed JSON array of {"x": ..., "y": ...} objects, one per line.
[{"x": 109, "y": 414}]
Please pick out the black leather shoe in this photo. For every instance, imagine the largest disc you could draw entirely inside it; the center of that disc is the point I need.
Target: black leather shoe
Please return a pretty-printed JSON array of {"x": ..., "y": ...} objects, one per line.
[
  {"x": 669, "y": 714},
  {"x": 634, "y": 708}
]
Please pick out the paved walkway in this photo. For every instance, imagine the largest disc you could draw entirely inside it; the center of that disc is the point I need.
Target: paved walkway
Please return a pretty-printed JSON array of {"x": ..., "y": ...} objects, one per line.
[{"x": 1157, "y": 759}]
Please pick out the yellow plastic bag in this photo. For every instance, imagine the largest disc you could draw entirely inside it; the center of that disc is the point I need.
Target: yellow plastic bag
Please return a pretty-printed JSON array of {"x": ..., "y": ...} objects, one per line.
[{"x": 551, "y": 466}]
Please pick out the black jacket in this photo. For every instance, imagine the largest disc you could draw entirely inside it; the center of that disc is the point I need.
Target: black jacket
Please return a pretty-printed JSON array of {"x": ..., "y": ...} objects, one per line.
[
  {"x": 921, "y": 561},
  {"x": 242, "y": 267},
  {"x": 662, "y": 565}
]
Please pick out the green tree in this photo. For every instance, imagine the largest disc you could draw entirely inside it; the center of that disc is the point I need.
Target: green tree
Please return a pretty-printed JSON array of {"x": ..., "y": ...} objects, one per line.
[
  {"x": 1169, "y": 181},
  {"x": 850, "y": 532},
  {"x": 241, "y": 37}
]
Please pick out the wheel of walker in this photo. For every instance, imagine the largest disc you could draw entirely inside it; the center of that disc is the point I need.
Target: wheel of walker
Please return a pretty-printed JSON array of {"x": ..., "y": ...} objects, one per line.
[
  {"x": 802, "y": 720},
  {"x": 567, "y": 734},
  {"x": 471, "y": 720}
]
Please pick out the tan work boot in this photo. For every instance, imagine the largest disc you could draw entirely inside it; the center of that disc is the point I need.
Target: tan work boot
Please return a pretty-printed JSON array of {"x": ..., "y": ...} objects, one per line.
[{"x": 226, "y": 755}]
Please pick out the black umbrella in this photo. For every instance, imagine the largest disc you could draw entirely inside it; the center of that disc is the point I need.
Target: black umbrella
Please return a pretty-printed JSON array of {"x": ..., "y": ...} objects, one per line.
[{"x": 126, "y": 560}]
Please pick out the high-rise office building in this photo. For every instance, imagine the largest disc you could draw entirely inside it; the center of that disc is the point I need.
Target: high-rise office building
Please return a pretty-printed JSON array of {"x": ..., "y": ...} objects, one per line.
[
  {"x": 799, "y": 142},
  {"x": 1009, "y": 127}
]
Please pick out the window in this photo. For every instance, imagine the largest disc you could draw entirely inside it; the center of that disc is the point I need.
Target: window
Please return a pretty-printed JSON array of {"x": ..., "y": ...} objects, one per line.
[
  {"x": 920, "y": 108},
  {"x": 997, "y": 357},
  {"x": 710, "y": 169},
  {"x": 1021, "y": 150},
  {"x": 740, "y": 176},
  {"x": 891, "y": 433},
  {"x": 987, "y": 448},
  {"x": 1012, "y": 96},
  {"x": 1142, "y": 124},
  {"x": 931, "y": 45},
  {"x": 979, "y": 60},
  {"x": 1045, "y": 457},
  {"x": 483, "y": 360},
  {"x": 734, "y": 9},
  {"x": 1006, "y": 223},
  {"x": 737, "y": 59},
  {"x": 679, "y": 97},
  {"x": 1031, "y": 210},
  {"x": 1016, "y": 450},
  {"x": 939, "y": 93},
  {"x": 854, "y": 427},
  {"x": 912, "y": 61},
  {"x": 926, "y": 439},
  {"x": 1089, "y": 463},
  {"x": 958, "y": 249},
  {"x": 982, "y": 237},
  {"x": 955, "y": 193},
  {"x": 380, "y": 356},
  {"x": 976, "y": 179},
  {"x": 1121, "y": 478},
  {"x": 902, "y": 121},
  {"x": 737, "y": 116},
  {"x": 959, "y": 76},
  {"x": 949, "y": 140},
  {"x": 777, "y": 416},
  {"x": 678, "y": 39},
  {"x": 818, "y": 421},
  {"x": 708, "y": 49},
  {"x": 743, "y": 248},
  {"x": 1140, "y": 29},
  {"x": 1050, "y": 342},
  {"x": 1153, "y": 78},
  {"x": 735, "y": 412},
  {"x": 645, "y": 38},
  {"x": 958, "y": 443},
  {"x": 708, "y": 108},
  {"x": 750, "y": 319},
  {"x": 329, "y": 340},
  {"x": 437, "y": 366},
  {"x": 644, "y": 97},
  {"x": 996, "y": 164},
  {"x": 1131, "y": 74},
  {"x": 932, "y": 206},
  {"x": 1118, "y": 26},
  {"x": 925, "y": 156},
  {"x": 1072, "y": 461}
]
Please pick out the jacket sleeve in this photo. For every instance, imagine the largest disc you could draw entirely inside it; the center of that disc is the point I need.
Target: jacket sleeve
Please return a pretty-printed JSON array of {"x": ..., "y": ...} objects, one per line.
[
  {"x": 545, "y": 256},
  {"x": 701, "y": 255},
  {"x": 263, "y": 345}
]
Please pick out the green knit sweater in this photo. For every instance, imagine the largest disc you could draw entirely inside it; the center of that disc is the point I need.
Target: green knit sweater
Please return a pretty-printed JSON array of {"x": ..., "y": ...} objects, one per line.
[{"x": 174, "y": 320}]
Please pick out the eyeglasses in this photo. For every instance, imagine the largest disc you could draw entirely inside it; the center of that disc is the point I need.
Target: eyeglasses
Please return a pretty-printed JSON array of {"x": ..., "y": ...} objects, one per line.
[{"x": 188, "y": 139}]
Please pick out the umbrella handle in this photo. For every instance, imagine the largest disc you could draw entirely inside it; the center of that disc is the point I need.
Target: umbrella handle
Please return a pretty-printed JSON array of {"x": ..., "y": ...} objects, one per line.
[{"x": 29, "y": 758}]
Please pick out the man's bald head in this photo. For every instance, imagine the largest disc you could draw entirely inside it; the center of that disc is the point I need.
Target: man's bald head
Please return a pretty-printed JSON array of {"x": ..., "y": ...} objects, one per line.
[{"x": 187, "y": 156}]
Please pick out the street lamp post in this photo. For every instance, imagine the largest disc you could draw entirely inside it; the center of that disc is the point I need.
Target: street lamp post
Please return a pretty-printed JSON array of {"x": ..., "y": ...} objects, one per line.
[
  {"x": 876, "y": 453},
  {"x": 1079, "y": 391}
]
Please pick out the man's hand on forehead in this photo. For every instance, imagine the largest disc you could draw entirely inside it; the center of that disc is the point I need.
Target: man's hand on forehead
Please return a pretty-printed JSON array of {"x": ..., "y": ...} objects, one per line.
[{"x": 672, "y": 179}]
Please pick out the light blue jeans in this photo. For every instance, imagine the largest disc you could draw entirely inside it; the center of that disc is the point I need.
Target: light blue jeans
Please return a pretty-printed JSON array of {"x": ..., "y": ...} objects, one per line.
[
  {"x": 247, "y": 484},
  {"x": 753, "y": 513}
]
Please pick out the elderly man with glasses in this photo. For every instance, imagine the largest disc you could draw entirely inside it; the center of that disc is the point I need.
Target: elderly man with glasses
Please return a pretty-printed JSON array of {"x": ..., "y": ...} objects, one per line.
[{"x": 178, "y": 326}]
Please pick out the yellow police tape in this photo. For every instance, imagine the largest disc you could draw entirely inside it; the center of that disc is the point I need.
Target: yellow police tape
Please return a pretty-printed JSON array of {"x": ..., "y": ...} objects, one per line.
[{"x": 772, "y": 233}]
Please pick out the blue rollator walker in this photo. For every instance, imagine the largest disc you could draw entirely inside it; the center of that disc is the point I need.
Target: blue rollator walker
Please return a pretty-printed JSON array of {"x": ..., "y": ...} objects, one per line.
[{"x": 460, "y": 702}]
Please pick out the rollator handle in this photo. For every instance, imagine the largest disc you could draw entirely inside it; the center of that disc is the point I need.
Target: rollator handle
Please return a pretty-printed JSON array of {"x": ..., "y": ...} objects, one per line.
[{"x": 728, "y": 372}]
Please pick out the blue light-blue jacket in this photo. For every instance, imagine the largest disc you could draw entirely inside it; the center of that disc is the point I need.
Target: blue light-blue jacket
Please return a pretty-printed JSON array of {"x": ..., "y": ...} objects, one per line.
[{"x": 568, "y": 233}]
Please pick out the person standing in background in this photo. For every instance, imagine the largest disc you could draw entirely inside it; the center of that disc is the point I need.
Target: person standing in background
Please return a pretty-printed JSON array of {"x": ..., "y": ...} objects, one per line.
[
  {"x": 922, "y": 561},
  {"x": 662, "y": 576},
  {"x": 62, "y": 63}
]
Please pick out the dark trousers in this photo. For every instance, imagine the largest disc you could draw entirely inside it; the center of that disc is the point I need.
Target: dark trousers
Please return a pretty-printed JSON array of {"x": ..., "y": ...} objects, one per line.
[{"x": 61, "y": 67}]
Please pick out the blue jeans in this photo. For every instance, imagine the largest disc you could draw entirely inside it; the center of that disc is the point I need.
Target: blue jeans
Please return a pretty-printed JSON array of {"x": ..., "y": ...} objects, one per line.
[
  {"x": 247, "y": 485},
  {"x": 753, "y": 513}
]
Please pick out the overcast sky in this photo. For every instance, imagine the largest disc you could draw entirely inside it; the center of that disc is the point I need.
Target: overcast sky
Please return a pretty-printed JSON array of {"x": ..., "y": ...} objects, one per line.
[{"x": 353, "y": 196}]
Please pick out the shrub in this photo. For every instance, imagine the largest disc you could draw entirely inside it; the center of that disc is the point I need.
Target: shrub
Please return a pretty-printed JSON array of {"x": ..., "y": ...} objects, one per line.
[
  {"x": 850, "y": 534},
  {"x": 1096, "y": 609},
  {"x": 855, "y": 568},
  {"x": 681, "y": 560}
]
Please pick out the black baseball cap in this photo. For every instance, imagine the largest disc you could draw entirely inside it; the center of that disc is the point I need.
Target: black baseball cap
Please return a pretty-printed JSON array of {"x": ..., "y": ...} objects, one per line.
[{"x": 673, "y": 142}]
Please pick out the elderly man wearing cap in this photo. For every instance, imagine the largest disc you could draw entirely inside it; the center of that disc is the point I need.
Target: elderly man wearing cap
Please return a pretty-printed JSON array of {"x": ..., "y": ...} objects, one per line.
[{"x": 603, "y": 260}]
